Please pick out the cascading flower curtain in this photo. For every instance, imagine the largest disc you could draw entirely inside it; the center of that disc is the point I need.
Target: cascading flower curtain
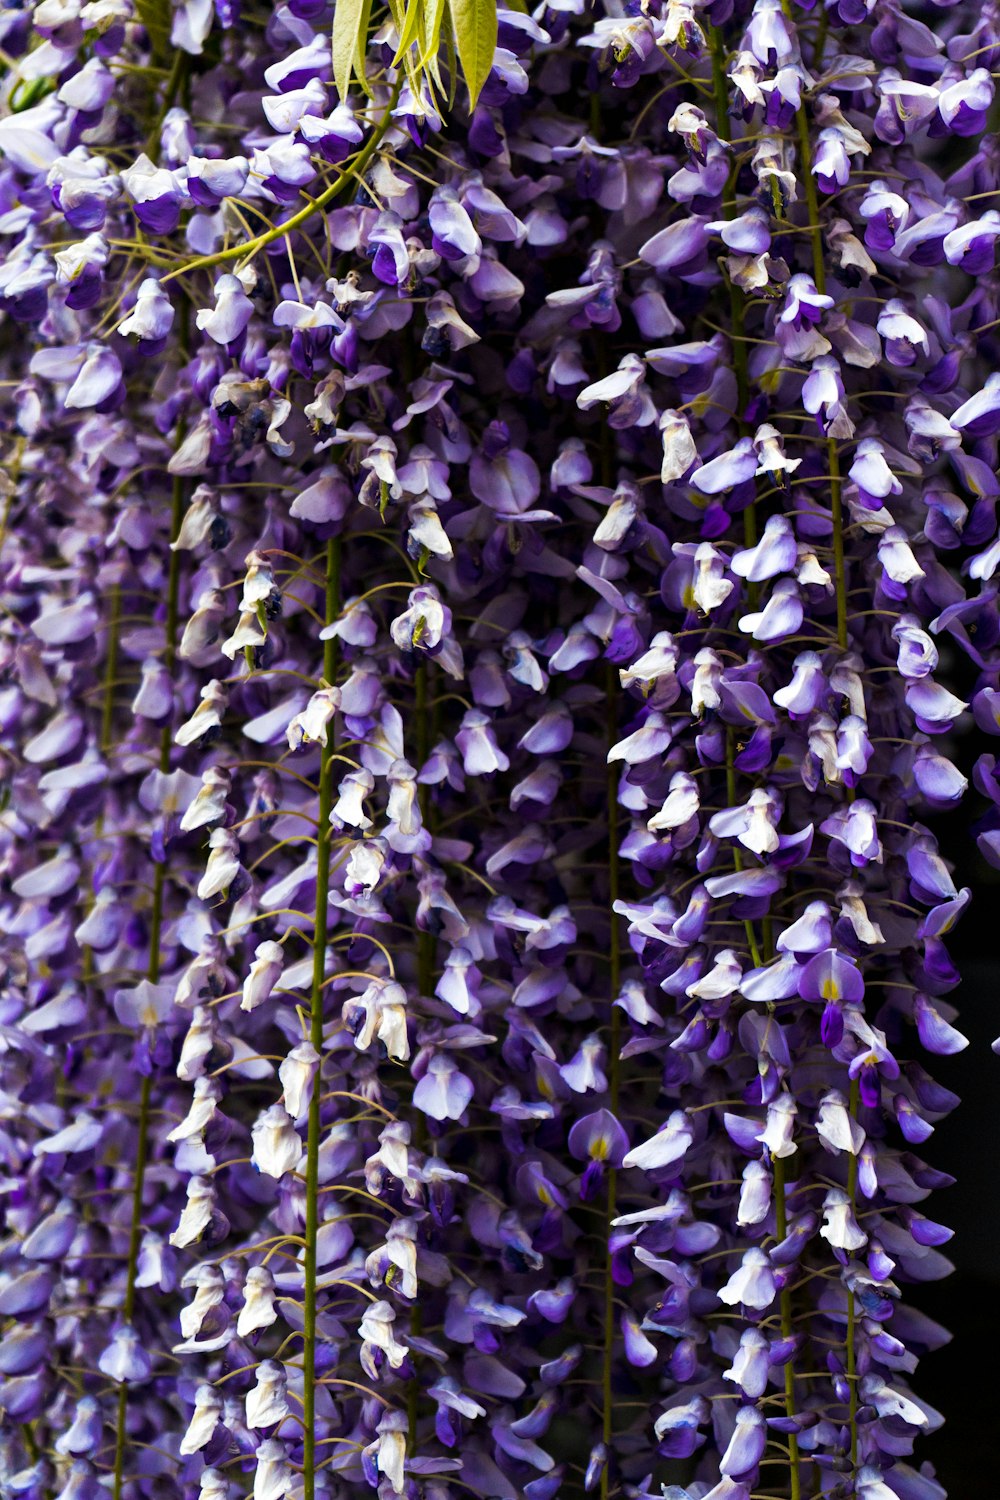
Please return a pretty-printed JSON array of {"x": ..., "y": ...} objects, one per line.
[{"x": 498, "y": 553}]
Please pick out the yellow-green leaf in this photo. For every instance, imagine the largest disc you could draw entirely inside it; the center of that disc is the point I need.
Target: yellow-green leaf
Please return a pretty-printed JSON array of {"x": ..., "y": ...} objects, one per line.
[
  {"x": 361, "y": 49},
  {"x": 431, "y": 39},
  {"x": 451, "y": 62},
  {"x": 475, "y": 25},
  {"x": 348, "y": 43},
  {"x": 412, "y": 23}
]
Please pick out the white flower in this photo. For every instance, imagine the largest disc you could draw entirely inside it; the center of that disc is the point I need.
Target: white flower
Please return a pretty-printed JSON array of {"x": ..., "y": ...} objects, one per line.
[
  {"x": 380, "y": 1012},
  {"x": 258, "y": 584},
  {"x": 197, "y": 1214},
  {"x": 266, "y": 1404},
  {"x": 400, "y": 1250},
  {"x": 258, "y": 1310},
  {"x": 840, "y": 1227},
  {"x": 247, "y": 636},
  {"x": 665, "y": 1148},
  {"x": 232, "y": 311},
  {"x": 679, "y": 450},
  {"x": 152, "y": 316},
  {"x": 349, "y": 809},
  {"x": 210, "y": 1289},
  {"x": 310, "y": 726},
  {"x": 273, "y": 1476},
  {"x": 277, "y": 1148},
  {"x": 363, "y": 869},
  {"x": 836, "y": 1128},
  {"x": 206, "y": 1415},
  {"x": 223, "y": 864},
  {"x": 297, "y": 1074},
  {"x": 207, "y": 1093},
  {"x": 777, "y": 1132},
  {"x": 265, "y": 971},
  {"x": 376, "y": 1332},
  {"x": 209, "y": 805},
  {"x": 752, "y": 1283}
]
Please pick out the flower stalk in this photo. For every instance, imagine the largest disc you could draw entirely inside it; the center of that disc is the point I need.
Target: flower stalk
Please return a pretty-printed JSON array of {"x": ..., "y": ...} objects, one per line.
[
  {"x": 611, "y": 691},
  {"x": 324, "y": 834},
  {"x": 153, "y": 971}
]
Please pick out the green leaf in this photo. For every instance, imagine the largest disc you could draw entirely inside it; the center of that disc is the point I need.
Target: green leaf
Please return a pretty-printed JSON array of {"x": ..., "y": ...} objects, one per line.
[
  {"x": 350, "y": 35},
  {"x": 475, "y": 23}
]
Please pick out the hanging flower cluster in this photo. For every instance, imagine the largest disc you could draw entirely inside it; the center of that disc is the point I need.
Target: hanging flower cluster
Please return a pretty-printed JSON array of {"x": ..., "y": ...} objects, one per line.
[{"x": 483, "y": 588}]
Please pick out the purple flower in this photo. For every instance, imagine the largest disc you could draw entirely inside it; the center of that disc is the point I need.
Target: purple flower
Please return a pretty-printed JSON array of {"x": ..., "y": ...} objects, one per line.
[{"x": 470, "y": 739}]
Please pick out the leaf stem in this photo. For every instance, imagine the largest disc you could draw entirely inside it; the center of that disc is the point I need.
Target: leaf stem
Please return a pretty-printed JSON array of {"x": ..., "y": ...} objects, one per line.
[{"x": 249, "y": 248}]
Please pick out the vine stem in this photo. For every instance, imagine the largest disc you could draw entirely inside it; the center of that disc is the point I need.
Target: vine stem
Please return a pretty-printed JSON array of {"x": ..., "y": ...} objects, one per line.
[
  {"x": 614, "y": 1070},
  {"x": 323, "y": 851},
  {"x": 249, "y": 248},
  {"x": 152, "y": 974}
]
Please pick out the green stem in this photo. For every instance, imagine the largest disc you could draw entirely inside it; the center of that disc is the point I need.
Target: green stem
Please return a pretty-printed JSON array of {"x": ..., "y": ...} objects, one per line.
[
  {"x": 738, "y": 341},
  {"x": 178, "y": 72},
  {"x": 851, "y": 1361},
  {"x": 250, "y": 248},
  {"x": 323, "y": 850},
  {"x": 425, "y": 980},
  {"x": 111, "y": 674},
  {"x": 748, "y": 926},
  {"x": 840, "y": 581},
  {"x": 819, "y": 277},
  {"x": 785, "y": 1306},
  {"x": 152, "y": 974},
  {"x": 154, "y": 17},
  {"x": 614, "y": 1069}
]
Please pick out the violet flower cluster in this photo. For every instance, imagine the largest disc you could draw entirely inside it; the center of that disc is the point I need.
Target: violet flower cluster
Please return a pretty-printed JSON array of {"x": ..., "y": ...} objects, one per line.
[{"x": 489, "y": 597}]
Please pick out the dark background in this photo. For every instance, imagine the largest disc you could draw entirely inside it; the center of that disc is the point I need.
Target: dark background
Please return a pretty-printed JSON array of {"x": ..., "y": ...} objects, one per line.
[
  {"x": 967, "y": 1144},
  {"x": 957, "y": 1379}
]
